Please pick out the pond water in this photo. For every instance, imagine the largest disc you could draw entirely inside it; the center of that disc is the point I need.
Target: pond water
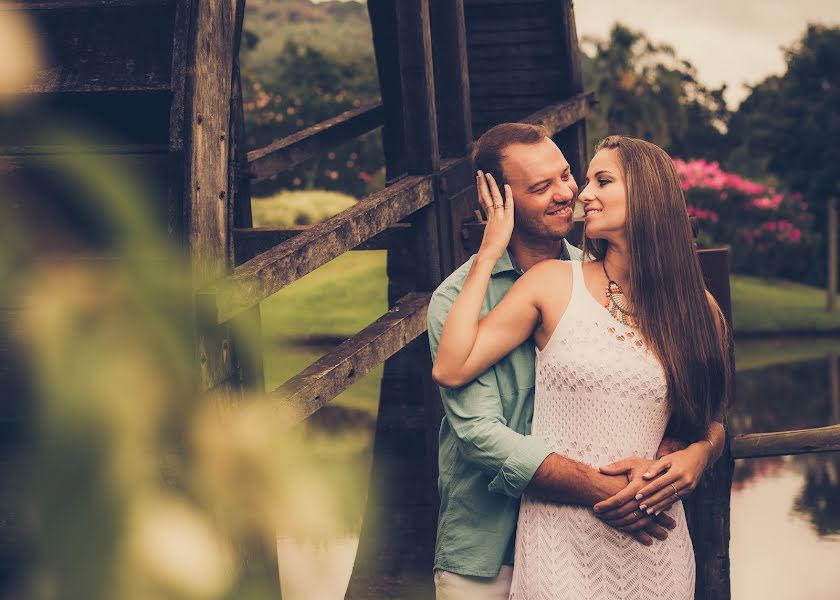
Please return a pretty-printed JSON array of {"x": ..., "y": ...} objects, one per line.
[
  {"x": 785, "y": 511},
  {"x": 785, "y": 519}
]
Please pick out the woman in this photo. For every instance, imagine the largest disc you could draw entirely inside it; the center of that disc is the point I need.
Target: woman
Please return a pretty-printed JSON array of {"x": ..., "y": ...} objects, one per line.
[{"x": 629, "y": 343}]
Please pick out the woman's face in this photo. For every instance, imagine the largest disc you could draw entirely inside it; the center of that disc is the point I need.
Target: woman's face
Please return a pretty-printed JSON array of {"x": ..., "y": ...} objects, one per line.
[{"x": 604, "y": 197}]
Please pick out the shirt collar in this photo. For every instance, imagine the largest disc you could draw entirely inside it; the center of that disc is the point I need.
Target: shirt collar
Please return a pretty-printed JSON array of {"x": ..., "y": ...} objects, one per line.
[{"x": 507, "y": 263}]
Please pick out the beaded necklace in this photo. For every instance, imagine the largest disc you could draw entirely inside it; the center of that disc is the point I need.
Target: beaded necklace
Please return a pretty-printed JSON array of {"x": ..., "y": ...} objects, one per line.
[{"x": 616, "y": 303}]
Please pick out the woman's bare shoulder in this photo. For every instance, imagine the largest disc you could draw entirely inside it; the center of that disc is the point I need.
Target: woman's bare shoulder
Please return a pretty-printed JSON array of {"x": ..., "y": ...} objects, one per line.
[
  {"x": 550, "y": 268},
  {"x": 548, "y": 278}
]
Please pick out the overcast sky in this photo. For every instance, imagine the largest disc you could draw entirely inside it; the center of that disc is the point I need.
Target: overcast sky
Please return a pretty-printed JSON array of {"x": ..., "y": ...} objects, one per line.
[{"x": 729, "y": 41}]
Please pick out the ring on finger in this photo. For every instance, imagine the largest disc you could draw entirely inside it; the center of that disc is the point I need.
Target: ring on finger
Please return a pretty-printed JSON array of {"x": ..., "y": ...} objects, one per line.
[
  {"x": 676, "y": 493},
  {"x": 498, "y": 206}
]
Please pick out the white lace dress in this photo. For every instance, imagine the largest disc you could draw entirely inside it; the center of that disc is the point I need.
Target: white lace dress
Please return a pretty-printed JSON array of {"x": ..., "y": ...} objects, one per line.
[{"x": 600, "y": 396}]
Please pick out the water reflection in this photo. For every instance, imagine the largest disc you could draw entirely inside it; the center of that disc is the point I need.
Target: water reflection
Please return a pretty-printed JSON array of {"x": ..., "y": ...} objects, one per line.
[
  {"x": 790, "y": 502},
  {"x": 793, "y": 396}
]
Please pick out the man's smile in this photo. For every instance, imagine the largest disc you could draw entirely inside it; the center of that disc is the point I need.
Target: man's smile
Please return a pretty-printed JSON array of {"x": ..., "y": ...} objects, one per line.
[{"x": 562, "y": 210}]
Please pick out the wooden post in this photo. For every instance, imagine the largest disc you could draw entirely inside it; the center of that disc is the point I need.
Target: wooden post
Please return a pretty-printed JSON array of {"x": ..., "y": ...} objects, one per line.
[
  {"x": 572, "y": 140},
  {"x": 456, "y": 197},
  {"x": 212, "y": 43},
  {"x": 248, "y": 349},
  {"x": 397, "y": 541},
  {"x": 707, "y": 509},
  {"x": 831, "y": 301}
]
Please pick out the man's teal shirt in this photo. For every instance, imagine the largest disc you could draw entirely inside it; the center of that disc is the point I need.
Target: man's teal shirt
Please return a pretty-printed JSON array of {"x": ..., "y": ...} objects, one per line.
[{"x": 486, "y": 455}]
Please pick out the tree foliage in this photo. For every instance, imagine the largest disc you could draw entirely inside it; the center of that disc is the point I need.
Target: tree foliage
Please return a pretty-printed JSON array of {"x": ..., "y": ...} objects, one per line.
[
  {"x": 303, "y": 86},
  {"x": 789, "y": 125},
  {"x": 645, "y": 90}
]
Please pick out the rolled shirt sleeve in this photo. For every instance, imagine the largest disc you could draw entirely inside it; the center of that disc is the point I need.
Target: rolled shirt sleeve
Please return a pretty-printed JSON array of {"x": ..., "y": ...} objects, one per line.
[{"x": 475, "y": 414}]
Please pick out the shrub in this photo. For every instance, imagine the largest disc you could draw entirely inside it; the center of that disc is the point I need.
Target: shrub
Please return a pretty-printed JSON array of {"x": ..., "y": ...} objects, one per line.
[{"x": 771, "y": 234}]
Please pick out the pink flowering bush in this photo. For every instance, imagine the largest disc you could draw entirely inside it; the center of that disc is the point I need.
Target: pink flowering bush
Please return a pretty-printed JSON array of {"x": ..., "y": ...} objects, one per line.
[{"x": 769, "y": 233}]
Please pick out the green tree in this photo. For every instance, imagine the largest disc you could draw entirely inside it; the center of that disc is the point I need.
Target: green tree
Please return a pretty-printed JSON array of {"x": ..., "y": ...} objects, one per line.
[
  {"x": 645, "y": 90},
  {"x": 789, "y": 125},
  {"x": 303, "y": 86}
]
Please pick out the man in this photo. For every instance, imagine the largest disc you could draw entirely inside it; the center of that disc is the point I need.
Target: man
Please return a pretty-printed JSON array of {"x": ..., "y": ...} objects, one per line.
[{"x": 487, "y": 458}]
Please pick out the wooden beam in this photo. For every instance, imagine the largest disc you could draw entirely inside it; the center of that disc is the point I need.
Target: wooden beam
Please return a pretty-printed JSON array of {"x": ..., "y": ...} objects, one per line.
[
  {"x": 383, "y": 23},
  {"x": 273, "y": 270},
  {"x": 396, "y": 559},
  {"x": 783, "y": 443},
  {"x": 707, "y": 508},
  {"x": 418, "y": 87},
  {"x": 289, "y": 151},
  {"x": 573, "y": 139},
  {"x": 249, "y": 242},
  {"x": 561, "y": 115},
  {"x": 452, "y": 78},
  {"x": 333, "y": 373}
]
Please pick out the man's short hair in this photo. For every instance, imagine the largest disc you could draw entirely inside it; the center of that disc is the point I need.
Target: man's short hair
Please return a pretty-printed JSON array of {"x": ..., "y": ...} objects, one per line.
[{"x": 488, "y": 151}]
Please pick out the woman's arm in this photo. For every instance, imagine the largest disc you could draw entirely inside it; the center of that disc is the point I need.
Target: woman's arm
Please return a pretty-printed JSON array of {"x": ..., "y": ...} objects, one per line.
[
  {"x": 469, "y": 346},
  {"x": 681, "y": 470}
]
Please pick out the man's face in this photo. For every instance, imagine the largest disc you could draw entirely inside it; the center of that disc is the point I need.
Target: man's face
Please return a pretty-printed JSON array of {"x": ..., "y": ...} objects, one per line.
[{"x": 544, "y": 190}]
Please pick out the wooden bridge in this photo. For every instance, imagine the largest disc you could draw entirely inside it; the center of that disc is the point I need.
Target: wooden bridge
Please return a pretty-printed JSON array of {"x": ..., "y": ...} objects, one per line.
[{"x": 164, "y": 75}]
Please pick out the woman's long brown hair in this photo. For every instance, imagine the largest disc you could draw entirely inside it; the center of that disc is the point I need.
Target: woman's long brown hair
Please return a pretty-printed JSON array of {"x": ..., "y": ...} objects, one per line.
[{"x": 667, "y": 294}]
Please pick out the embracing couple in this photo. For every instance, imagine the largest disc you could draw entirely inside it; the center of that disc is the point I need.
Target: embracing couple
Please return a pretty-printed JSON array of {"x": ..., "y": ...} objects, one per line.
[{"x": 583, "y": 391}]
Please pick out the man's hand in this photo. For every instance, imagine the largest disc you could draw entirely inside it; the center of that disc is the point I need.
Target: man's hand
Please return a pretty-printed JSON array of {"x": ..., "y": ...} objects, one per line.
[
  {"x": 565, "y": 481},
  {"x": 627, "y": 518},
  {"x": 673, "y": 477},
  {"x": 621, "y": 510}
]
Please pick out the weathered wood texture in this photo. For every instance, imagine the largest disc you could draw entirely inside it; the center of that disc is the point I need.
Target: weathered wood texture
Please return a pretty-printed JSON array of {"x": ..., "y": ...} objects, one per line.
[
  {"x": 452, "y": 78},
  {"x": 782, "y": 443},
  {"x": 210, "y": 178},
  {"x": 519, "y": 58},
  {"x": 251, "y": 242},
  {"x": 248, "y": 349},
  {"x": 397, "y": 539},
  {"x": 292, "y": 150},
  {"x": 383, "y": 21},
  {"x": 571, "y": 139},
  {"x": 417, "y": 82},
  {"x": 562, "y": 115},
  {"x": 209, "y": 76},
  {"x": 269, "y": 272},
  {"x": 115, "y": 48},
  {"x": 337, "y": 370},
  {"x": 707, "y": 509}
]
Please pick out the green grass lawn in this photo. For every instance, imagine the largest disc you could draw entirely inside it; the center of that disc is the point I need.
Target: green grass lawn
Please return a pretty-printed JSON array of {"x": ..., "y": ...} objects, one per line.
[
  {"x": 304, "y": 207},
  {"x": 768, "y": 306},
  {"x": 760, "y": 353},
  {"x": 305, "y": 320}
]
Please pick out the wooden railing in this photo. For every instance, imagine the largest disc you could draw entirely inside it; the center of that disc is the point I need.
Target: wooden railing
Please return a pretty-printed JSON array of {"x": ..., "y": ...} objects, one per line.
[
  {"x": 292, "y": 150},
  {"x": 304, "y": 250},
  {"x": 783, "y": 443},
  {"x": 297, "y": 252}
]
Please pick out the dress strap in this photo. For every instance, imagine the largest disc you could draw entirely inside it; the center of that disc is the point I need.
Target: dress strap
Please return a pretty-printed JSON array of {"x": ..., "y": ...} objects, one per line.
[{"x": 578, "y": 285}]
